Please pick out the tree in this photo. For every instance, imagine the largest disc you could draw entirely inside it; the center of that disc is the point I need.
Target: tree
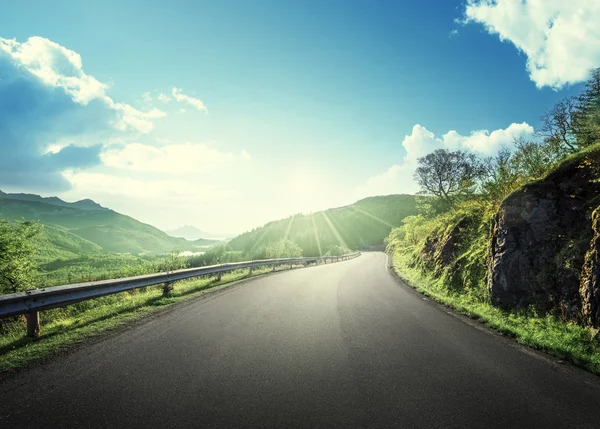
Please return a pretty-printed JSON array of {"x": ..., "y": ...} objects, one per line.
[
  {"x": 502, "y": 177},
  {"x": 173, "y": 261},
  {"x": 17, "y": 248},
  {"x": 532, "y": 159},
  {"x": 586, "y": 118},
  {"x": 449, "y": 175},
  {"x": 559, "y": 124},
  {"x": 283, "y": 249},
  {"x": 336, "y": 250}
]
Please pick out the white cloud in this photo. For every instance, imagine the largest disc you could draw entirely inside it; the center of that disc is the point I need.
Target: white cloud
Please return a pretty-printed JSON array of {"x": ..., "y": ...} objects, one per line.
[
  {"x": 182, "y": 98},
  {"x": 399, "y": 178},
  {"x": 146, "y": 97},
  {"x": 164, "y": 98},
  {"x": 174, "y": 159},
  {"x": 57, "y": 66},
  {"x": 561, "y": 38},
  {"x": 86, "y": 183}
]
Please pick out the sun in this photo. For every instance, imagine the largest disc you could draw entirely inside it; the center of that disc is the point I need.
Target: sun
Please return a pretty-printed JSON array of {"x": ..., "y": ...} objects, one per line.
[{"x": 303, "y": 192}]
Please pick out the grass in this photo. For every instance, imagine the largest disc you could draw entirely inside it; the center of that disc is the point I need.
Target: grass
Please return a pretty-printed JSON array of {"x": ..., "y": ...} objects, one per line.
[
  {"x": 64, "y": 327},
  {"x": 565, "y": 340}
]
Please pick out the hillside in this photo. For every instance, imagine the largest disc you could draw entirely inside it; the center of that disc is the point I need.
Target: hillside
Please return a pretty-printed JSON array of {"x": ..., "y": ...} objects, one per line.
[
  {"x": 86, "y": 227},
  {"x": 362, "y": 224}
]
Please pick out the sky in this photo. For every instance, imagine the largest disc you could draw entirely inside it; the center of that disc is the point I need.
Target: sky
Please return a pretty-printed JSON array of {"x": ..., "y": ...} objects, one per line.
[{"x": 226, "y": 115}]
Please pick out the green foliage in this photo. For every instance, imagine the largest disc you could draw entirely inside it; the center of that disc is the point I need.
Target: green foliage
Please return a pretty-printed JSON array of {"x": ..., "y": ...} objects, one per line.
[
  {"x": 283, "y": 249},
  {"x": 173, "y": 261},
  {"x": 450, "y": 176},
  {"x": 337, "y": 250},
  {"x": 586, "y": 117},
  {"x": 17, "y": 269}
]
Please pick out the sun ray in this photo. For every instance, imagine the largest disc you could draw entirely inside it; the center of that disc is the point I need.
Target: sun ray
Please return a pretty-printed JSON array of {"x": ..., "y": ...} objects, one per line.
[
  {"x": 289, "y": 228},
  {"x": 260, "y": 239},
  {"x": 312, "y": 217},
  {"x": 366, "y": 213},
  {"x": 334, "y": 230}
]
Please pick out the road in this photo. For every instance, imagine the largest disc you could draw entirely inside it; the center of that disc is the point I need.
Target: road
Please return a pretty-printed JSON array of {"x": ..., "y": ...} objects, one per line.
[{"x": 335, "y": 346}]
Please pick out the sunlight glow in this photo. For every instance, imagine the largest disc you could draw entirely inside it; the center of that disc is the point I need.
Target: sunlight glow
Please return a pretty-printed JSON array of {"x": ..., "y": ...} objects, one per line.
[
  {"x": 260, "y": 240},
  {"x": 366, "y": 213},
  {"x": 289, "y": 228},
  {"x": 312, "y": 218},
  {"x": 334, "y": 230}
]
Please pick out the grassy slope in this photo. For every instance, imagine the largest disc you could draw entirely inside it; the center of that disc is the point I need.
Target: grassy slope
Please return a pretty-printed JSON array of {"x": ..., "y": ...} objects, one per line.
[{"x": 365, "y": 223}]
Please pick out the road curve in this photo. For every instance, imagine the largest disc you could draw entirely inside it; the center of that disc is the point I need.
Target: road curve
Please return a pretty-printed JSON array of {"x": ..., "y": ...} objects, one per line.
[{"x": 335, "y": 346}]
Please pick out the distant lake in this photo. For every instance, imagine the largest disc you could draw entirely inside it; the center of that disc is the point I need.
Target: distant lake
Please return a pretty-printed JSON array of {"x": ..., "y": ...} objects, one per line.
[{"x": 188, "y": 253}]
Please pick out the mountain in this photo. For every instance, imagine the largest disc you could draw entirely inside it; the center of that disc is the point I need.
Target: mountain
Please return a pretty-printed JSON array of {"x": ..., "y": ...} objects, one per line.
[
  {"x": 82, "y": 204},
  {"x": 90, "y": 227},
  {"x": 360, "y": 225},
  {"x": 190, "y": 232}
]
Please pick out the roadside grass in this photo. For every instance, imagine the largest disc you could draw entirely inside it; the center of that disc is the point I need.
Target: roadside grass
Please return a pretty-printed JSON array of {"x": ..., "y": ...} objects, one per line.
[
  {"x": 565, "y": 340},
  {"x": 64, "y": 327}
]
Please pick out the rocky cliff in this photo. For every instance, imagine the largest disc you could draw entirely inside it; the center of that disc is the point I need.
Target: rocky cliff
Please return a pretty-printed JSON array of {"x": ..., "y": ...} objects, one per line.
[{"x": 546, "y": 243}]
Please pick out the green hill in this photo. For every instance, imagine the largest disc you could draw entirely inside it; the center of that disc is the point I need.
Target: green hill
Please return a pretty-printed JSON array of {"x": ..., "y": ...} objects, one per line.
[
  {"x": 360, "y": 225},
  {"x": 85, "y": 227}
]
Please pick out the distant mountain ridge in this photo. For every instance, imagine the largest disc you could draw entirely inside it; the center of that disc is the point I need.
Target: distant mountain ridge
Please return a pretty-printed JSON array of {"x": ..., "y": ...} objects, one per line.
[
  {"x": 85, "y": 204},
  {"x": 190, "y": 232},
  {"x": 90, "y": 228}
]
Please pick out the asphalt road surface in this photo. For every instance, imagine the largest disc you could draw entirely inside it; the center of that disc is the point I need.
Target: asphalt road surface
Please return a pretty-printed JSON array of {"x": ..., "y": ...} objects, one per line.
[{"x": 335, "y": 346}]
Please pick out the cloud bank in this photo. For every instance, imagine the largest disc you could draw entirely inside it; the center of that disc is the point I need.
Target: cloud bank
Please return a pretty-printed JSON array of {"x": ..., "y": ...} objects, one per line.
[
  {"x": 559, "y": 37},
  {"x": 174, "y": 159},
  {"x": 54, "y": 116}
]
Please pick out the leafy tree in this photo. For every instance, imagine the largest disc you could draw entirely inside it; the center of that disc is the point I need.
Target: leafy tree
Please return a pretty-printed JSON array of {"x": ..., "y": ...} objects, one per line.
[
  {"x": 173, "y": 261},
  {"x": 336, "y": 250},
  {"x": 532, "y": 159},
  {"x": 559, "y": 124},
  {"x": 283, "y": 249},
  {"x": 450, "y": 176},
  {"x": 502, "y": 177},
  {"x": 587, "y": 115},
  {"x": 17, "y": 248}
]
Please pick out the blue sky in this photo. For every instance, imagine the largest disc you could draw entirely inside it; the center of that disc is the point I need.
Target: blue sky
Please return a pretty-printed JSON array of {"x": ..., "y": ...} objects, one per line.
[{"x": 292, "y": 106}]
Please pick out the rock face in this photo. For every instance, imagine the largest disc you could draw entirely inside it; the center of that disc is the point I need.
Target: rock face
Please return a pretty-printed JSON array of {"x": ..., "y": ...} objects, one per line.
[
  {"x": 540, "y": 238},
  {"x": 589, "y": 289}
]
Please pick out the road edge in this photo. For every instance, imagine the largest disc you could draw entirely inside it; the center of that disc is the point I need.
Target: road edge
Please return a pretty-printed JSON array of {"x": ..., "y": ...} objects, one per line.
[{"x": 557, "y": 364}]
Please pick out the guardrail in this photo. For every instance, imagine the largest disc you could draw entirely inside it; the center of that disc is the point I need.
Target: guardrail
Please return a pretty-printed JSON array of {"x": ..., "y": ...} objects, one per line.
[{"x": 33, "y": 301}]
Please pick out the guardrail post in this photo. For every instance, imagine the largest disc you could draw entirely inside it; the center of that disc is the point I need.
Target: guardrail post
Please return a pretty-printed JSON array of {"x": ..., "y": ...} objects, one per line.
[
  {"x": 33, "y": 324},
  {"x": 167, "y": 288},
  {"x": 291, "y": 265},
  {"x": 274, "y": 267},
  {"x": 251, "y": 269},
  {"x": 219, "y": 276}
]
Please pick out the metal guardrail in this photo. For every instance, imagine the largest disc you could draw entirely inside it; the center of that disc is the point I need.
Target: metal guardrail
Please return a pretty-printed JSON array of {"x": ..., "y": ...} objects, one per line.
[{"x": 33, "y": 301}]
